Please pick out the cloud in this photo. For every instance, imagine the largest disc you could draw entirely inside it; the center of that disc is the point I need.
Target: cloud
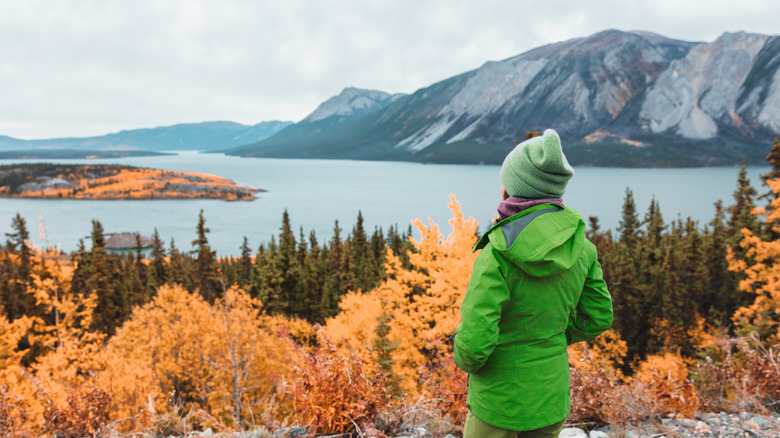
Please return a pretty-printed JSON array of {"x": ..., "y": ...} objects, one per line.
[{"x": 89, "y": 67}]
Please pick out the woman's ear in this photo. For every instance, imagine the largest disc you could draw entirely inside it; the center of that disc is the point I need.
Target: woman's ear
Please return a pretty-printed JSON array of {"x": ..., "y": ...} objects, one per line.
[{"x": 504, "y": 194}]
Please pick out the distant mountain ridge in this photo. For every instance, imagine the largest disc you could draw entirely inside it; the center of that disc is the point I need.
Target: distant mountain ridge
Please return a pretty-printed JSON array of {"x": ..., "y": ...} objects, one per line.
[
  {"x": 617, "y": 99},
  {"x": 192, "y": 136}
]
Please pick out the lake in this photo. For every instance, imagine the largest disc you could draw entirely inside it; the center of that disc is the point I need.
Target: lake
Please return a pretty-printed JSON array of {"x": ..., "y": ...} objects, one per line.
[{"x": 317, "y": 192}]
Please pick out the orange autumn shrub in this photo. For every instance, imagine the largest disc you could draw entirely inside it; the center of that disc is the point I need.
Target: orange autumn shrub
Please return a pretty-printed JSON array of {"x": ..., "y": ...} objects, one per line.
[
  {"x": 214, "y": 360},
  {"x": 52, "y": 387},
  {"x": 422, "y": 305},
  {"x": 15, "y": 389},
  {"x": 330, "y": 391},
  {"x": 667, "y": 378}
]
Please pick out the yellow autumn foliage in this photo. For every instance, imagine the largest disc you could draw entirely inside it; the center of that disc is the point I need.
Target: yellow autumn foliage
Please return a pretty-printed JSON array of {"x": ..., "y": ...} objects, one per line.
[
  {"x": 761, "y": 275},
  {"x": 422, "y": 304},
  {"x": 215, "y": 359}
]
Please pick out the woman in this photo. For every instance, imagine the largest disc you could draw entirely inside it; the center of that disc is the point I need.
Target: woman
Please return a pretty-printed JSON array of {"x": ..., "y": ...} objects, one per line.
[{"x": 536, "y": 288}]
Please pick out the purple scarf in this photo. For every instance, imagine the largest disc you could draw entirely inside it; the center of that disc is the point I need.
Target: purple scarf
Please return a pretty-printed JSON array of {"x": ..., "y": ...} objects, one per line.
[{"x": 511, "y": 206}]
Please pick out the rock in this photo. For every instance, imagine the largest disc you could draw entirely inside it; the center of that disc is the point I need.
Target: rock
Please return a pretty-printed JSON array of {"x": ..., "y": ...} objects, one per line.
[
  {"x": 687, "y": 422},
  {"x": 598, "y": 434},
  {"x": 280, "y": 433},
  {"x": 296, "y": 431},
  {"x": 724, "y": 418},
  {"x": 207, "y": 432},
  {"x": 761, "y": 422},
  {"x": 573, "y": 432},
  {"x": 702, "y": 428},
  {"x": 744, "y": 416},
  {"x": 713, "y": 422},
  {"x": 449, "y": 435},
  {"x": 420, "y": 431}
]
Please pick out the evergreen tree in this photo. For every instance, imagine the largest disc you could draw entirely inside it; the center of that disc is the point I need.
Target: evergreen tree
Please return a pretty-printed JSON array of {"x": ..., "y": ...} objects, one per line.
[
  {"x": 334, "y": 286},
  {"x": 18, "y": 242},
  {"x": 361, "y": 259},
  {"x": 269, "y": 280},
  {"x": 246, "y": 262},
  {"x": 207, "y": 278},
  {"x": 720, "y": 285},
  {"x": 384, "y": 349},
  {"x": 742, "y": 211},
  {"x": 287, "y": 262},
  {"x": 629, "y": 222},
  {"x": 99, "y": 280},
  {"x": 178, "y": 272},
  {"x": 14, "y": 298},
  {"x": 158, "y": 272}
]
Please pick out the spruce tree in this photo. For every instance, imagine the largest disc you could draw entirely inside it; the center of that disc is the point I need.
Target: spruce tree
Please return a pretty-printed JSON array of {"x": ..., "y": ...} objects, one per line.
[
  {"x": 334, "y": 286},
  {"x": 246, "y": 262},
  {"x": 207, "y": 278},
  {"x": 178, "y": 268},
  {"x": 14, "y": 298},
  {"x": 741, "y": 213},
  {"x": 629, "y": 222},
  {"x": 157, "y": 273},
  {"x": 99, "y": 281}
]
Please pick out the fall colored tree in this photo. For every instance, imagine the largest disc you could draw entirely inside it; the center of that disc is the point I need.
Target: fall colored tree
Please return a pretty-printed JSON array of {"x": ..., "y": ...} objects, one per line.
[{"x": 421, "y": 305}]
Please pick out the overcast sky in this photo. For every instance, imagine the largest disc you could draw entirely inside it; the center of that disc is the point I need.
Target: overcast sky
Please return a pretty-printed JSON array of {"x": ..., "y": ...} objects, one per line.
[{"x": 83, "y": 67}]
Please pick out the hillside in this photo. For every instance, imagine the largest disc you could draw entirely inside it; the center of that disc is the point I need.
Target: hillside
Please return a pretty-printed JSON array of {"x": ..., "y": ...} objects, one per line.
[
  {"x": 50, "y": 181},
  {"x": 188, "y": 136},
  {"x": 633, "y": 99}
]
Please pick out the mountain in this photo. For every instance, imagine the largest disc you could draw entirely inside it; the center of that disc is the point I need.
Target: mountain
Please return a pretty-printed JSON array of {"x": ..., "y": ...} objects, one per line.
[
  {"x": 190, "y": 136},
  {"x": 339, "y": 118},
  {"x": 617, "y": 98}
]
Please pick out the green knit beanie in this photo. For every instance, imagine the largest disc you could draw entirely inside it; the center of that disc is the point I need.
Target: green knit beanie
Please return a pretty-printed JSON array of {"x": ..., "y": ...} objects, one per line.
[{"x": 537, "y": 168}]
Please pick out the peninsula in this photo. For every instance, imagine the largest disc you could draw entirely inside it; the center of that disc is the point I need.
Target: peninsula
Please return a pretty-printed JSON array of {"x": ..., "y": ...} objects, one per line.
[{"x": 100, "y": 181}]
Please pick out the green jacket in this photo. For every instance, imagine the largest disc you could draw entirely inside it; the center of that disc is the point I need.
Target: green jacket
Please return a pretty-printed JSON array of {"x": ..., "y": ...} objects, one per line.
[{"x": 537, "y": 287}]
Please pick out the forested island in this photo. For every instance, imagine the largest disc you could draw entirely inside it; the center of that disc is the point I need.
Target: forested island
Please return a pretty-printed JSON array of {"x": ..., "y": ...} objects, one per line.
[{"x": 104, "y": 181}]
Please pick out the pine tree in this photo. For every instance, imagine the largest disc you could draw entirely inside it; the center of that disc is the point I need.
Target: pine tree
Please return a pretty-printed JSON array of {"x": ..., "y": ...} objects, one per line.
[
  {"x": 629, "y": 222},
  {"x": 721, "y": 298},
  {"x": 178, "y": 269},
  {"x": 157, "y": 274},
  {"x": 246, "y": 262},
  {"x": 361, "y": 259},
  {"x": 99, "y": 281},
  {"x": 18, "y": 241},
  {"x": 742, "y": 211},
  {"x": 207, "y": 278},
  {"x": 383, "y": 348},
  {"x": 334, "y": 287},
  {"x": 288, "y": 267},
  {"x": 269, "y": 279},
  {"x": 14, "y": 298}
]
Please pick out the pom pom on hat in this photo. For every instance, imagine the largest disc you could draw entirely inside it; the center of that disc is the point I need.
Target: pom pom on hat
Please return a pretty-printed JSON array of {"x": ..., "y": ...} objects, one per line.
[{"x": 537, "y": 168}]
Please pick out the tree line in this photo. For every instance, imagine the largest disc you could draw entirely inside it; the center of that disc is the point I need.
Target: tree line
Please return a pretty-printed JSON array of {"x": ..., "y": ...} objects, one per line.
[
  {"x": 292, "y": 276},
  {"x": 670, "y": 281}
]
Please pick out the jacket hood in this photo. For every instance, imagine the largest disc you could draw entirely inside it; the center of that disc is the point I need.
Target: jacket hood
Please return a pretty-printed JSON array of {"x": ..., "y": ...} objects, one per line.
[{"x": 541, "y": 241}]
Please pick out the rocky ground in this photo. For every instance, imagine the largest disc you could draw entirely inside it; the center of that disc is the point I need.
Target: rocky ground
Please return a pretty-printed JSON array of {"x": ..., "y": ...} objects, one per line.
[{"x": 710, "y": 425}]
